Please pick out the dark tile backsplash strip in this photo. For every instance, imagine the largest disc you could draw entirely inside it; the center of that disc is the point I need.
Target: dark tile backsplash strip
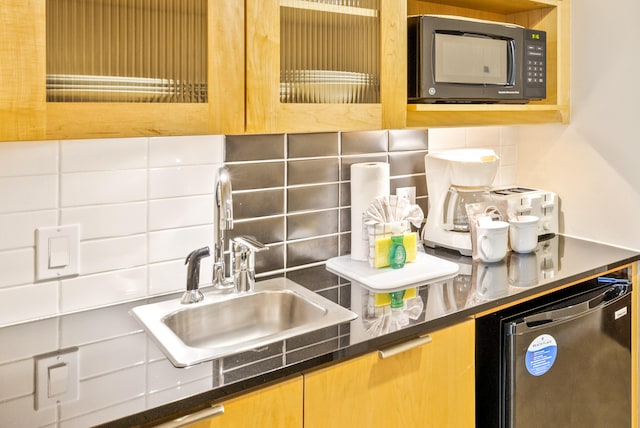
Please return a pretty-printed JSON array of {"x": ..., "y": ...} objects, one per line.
[
  {"x": 242, "y": 148},
  {"x": 292, "y": 192}
]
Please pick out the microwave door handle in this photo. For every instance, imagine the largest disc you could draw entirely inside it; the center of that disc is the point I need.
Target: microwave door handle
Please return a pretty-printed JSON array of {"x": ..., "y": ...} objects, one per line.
[{"x": 511, "y": 46}]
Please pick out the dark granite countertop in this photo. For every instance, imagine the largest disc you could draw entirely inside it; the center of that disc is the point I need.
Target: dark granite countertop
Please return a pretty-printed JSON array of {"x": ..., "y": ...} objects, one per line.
[{"x": 478, "y": 288}]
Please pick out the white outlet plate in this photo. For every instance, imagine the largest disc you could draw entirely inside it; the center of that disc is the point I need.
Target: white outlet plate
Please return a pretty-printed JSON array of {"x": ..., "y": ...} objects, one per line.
[
  {"x": 57, "y": 251},
  {"x": 57, "y": 378},
  {"x": 408, "y": 193}
]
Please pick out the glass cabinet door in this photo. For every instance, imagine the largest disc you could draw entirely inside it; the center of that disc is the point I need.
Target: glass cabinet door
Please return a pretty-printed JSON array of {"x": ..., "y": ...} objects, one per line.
[
  {"x": 319, "y": 65},
  {"x": 330, "y": 51},
  {"x": 127, "y": 51},
  {"x": 144, "y": 67}
]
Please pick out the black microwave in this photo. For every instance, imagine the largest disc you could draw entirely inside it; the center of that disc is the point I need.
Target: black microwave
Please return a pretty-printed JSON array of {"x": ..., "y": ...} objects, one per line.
[{"x": 462, "y": 60}]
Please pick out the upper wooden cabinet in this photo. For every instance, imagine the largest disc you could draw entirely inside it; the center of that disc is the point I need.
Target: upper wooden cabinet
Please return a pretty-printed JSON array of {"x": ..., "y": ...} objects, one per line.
[
  {"x": 26, "y": 115},
  {"x": 252, "y": 52},
  {"x": 265, "y": 52},
  {"x": 338, "y": 58}
]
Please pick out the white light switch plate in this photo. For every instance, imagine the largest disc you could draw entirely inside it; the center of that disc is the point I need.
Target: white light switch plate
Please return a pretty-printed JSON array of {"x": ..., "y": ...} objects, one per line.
[
  {"x": 57, "y": 251},
  {"x": 57, "y": 378}
]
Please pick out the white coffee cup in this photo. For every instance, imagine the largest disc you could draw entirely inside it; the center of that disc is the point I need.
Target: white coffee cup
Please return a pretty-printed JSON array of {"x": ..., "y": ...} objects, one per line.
[
  {"x": 491, "y": 240},
  {"x": 523, "y": 233}
]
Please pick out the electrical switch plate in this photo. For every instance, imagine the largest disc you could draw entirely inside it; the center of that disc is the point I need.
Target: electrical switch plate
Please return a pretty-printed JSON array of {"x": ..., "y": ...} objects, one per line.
[
  {"x": 57, "y": 251},
  {"x": 57, "y": 378}
]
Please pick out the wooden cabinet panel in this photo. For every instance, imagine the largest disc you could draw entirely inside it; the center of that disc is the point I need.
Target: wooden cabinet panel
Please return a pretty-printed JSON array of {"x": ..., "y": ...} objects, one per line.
[
  {"x": 25, "y": 114},
  {"x": 244, "y": 78},
  {"x": 22, "y": 70},
  {"x": 428, "y": 386},
  {"x": 279, "y": 406}
]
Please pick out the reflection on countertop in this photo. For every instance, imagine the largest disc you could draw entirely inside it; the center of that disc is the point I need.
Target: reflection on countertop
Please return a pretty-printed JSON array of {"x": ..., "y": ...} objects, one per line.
[{"x": 148, "y": 386}]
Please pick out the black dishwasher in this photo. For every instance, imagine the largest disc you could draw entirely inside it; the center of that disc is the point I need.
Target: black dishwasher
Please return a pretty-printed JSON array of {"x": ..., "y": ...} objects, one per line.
[{"x": 563, "y": 360}]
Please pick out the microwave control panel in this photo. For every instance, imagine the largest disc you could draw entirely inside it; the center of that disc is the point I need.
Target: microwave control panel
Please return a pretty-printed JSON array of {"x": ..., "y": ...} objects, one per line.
[{"x": 535, "y": 63}]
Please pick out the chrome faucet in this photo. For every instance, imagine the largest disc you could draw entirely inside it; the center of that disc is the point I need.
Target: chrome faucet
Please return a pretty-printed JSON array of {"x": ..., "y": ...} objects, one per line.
[{"x": 223, "y": 220}]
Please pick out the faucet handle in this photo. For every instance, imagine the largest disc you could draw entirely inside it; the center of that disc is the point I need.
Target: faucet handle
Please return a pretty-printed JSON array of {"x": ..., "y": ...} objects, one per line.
[{"x": 243, "y": 262}]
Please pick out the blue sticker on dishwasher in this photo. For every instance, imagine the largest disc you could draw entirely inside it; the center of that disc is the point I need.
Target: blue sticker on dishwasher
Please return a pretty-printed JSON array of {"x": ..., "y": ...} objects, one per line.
[{"x": 541, "y": 354}]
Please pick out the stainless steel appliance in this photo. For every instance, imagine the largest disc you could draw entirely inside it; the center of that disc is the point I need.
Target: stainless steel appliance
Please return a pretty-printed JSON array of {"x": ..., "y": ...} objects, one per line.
[
  {"x": 452, "y": 59},
  {"x": 562, "y": 362},
  {"x": 530, "y": 201}
]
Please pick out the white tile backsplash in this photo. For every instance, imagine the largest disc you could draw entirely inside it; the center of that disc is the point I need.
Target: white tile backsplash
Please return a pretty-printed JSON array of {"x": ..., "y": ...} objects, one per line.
[
  {"x": 87, "y": 327},
  {"x": 163, "y": 375},
  {"x": 17, "y": 230},
  {"x": 193, "y": 150},
  {"x": 180, "y": 212},
  {"x": 111, "y": 355},
  {"x": 182, "y": 181},
  {"x": 169, "y": 276},
  {"x": 105, "y": 391},
  {"x": 177, "y": 243},
  {"x": 17, "y": 379},
  {"x": 110, "y": 254},
  {"x": 17, "y": 267},
  {"x": 484, "y": 137},
  {"x": 447, "y": 139},
  {"x": 28, "y": 193},
  {"x": 107, "y": 221},
  {"x": 29, "y": 158},
  {"x": 28, "y": 302},
  {"x": 109, "y": 154},
  {"x": 90, "y": 291},
  {"x": 21, "y": 414},
  {"x": 28, "y": 339},
  {"x": 103, "y": 187}
]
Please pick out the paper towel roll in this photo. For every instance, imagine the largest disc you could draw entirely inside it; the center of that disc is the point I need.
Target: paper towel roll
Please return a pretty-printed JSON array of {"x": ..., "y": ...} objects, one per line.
[{"x": 368, "y": 180}]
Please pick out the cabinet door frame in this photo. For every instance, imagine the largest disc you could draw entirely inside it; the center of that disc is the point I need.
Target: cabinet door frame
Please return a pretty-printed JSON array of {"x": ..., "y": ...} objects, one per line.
[
  {"x": 431, "y": 385},
  {"x": 266, "y": 114},
  {"x": 26, "y": 115}
]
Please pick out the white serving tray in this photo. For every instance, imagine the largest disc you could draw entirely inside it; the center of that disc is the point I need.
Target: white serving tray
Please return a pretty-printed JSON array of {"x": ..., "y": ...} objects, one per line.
[{"x": 423, "y": 270}]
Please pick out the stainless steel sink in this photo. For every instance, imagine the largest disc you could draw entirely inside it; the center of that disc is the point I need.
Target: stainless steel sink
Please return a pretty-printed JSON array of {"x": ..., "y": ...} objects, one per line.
[{"x": 225, "y": 324}]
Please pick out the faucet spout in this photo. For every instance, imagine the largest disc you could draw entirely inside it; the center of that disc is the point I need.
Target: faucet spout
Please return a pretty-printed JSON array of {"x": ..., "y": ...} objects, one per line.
[
  {"x": 223, "y": 220},
  {"x": 224, "y": 200}
]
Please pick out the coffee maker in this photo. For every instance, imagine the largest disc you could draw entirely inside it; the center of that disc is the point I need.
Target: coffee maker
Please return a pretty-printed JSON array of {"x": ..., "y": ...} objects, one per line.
[{"x": 456, "y": 178}]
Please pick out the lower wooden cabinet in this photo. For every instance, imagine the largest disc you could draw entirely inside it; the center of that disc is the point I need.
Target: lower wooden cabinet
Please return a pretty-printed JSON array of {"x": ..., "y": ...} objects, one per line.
[
  {"x": 279, "y": 406},
  {"x": 424, "y": 382},
  {"x": 431, "y": 385}
]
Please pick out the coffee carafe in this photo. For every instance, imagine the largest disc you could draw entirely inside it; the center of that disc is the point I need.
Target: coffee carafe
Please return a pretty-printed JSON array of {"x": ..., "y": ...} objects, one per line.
[
  {"x": 456, "y": 178},
  {"x": 455, "y": 206}
]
